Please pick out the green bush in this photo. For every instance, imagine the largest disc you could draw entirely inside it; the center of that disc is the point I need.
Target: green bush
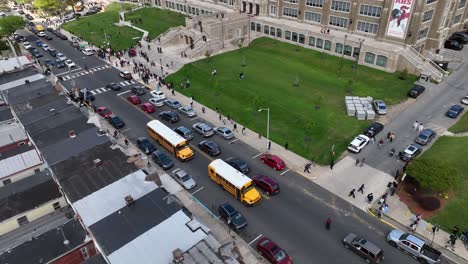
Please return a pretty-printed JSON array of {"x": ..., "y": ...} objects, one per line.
[
  {"x": 434, "y": 174},
  {"x": 403, "y": 75}
]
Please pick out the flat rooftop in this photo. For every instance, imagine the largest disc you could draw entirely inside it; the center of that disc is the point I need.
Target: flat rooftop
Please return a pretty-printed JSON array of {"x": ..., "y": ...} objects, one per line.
[
  {"x": 18, "y": 159},
  {"x": 5, "y": 113},
  {"x": 12, "y": 133}
]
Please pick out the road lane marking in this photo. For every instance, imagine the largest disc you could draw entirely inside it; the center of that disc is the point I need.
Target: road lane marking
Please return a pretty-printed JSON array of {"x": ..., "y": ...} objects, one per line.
[
  {"x": 266, "y": 196},
  {"x": 125, "y": 130},
  {"x": 232, "y": 142},
  {"x": 198, "y": 190},
  {"x": 119, "y": 94},
  {"x": 257, "y": 155},
  {"x": 255, "y": 239},
  {"x": 195, "y": 118},
  {"x": 284, "y": 172}
]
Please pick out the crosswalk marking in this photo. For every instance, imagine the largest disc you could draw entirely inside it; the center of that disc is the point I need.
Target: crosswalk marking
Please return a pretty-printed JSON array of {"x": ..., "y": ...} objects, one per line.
[
  {"x": 104, "y": 89},
  {"x": 79, "y": 74}
]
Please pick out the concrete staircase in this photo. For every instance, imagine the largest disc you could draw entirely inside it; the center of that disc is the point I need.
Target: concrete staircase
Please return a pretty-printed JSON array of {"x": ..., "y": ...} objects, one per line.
[{"x": 423, "y": 65}]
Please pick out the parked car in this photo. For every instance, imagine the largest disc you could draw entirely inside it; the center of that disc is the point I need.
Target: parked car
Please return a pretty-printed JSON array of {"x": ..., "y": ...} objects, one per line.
[
  {"x": 426, "y": 136},
  {"x": 453, "y": 44},
  {"x": 266, "y": 184},
  {"x": 184, "y": 132},
  {"x": 183, "y": 178},
  {"x": 380, "y": 107},
  {"x": 88, "y": 52},
  {"x": 61, "y": 56},
  {"x": 104, "y": 111},
  {"x": 126, "y": 75},
  {"x": 116, "y": 121},
  {"x": 48, "y": 62},
  {"x": 39, "y": 43},
  {"x": 410, "y": 152},
  {"x": 414, "y": 246},
  {"x": 187, "y": 111},
  {"x": 134, "y": 99},
  {"x": 62, "y": 36},
  {"x": 162, "y": 160},
  {"x": 367, "y": 250},
  {"x": 272, "y": 252},
  {"x": 210, "y": 147},
  {"x": 169, "y": 116},
  {"x": 138, "y": 90},
  {"x": 238, "y": 164},
  {"x": 225, "y": 132},
  {"x": 373, "y": 129},
  {"x": 454, "y": 111},
  {"x": 464, "y": 100},
  {"x": 52, "y": 52},
  {"x": 45, "y": 47},
  {"x": 145, "y": 145},
  {"x": 460, "y": 37},
  {"x": 148, "y": 108},
  {"x": 59, "y": 63},
  {"x": 48, "y": 37},
  {"x": 36, "y": 53},
  {"x": 114, "y": 86},
  {"x": 26, "y": 45},
  {"x": 273, "y": 161},
  {"x": 156, "y": 102},
  {"x": 69, "y": 63},
  {"x": 41, "y": 34},
  {"x": 232, "y": 217},
  {"x": 158, "y": 94},
  {"x": 358, "y": 143},
  {"x": 172, "y": 103},
  {"x": 416, "y": 91},
  {"x": 203, "y": 129}
]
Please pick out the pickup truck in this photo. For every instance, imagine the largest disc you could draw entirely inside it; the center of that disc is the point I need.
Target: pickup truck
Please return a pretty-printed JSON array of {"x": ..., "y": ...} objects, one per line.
[{"x": 414, "y": 246}]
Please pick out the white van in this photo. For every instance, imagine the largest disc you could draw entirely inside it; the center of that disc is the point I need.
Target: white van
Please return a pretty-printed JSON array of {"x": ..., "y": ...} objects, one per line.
[{"x": 88, "y": 52}]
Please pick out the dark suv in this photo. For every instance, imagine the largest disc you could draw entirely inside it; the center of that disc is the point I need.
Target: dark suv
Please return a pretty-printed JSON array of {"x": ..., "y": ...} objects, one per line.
[
  {"x": 138, "y": 90},
  {"x": 162, "y": 160},
  {"x": 416, "y": 91},
  {"x": 238, "y": 164},
  {"x": 115, "y": 121},
  {"x": 364, "y": 248},
  {"x": 145, "y": 145},
  {"x": 233, "y": 217},
  {"x": 169, "y": 116},
  {"x": 113, "y": 86}
]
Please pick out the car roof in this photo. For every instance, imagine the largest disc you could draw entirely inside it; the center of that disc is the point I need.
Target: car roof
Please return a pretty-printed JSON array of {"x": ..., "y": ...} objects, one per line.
[
  {"x": 456, "y": 107},
  {"x": 183, "y": 129},
  {"x": 359, "y": 139},
  {"x": 228, "y": 207},
  {"x": 418, "y": 87},
  {"x": 427, "y": 131},
  {"x": 146, "y": 104},
  {"x": 266, "y": 179},
  {"x": 274, "y": 157},
  {"x": 375, "y": 125}
]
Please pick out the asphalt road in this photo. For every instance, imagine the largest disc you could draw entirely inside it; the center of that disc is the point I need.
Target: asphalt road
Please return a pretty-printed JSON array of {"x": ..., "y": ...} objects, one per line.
[{"x": 295, "y": 218}]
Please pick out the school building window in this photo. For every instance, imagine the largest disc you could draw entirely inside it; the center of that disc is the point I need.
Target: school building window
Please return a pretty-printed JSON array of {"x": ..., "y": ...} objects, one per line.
[
  {"x": 294, "y": 36},
  {"x": 356, "y": 52},
  {"x": 368, "y": 10},
  {"x": 266, "y": 29},
  {"x": 290, "y": 12},
  {"x": 314, "y": 3},
  {"x": 457, "y": 19},
  {"x": 278, "y": 33},
  {"x": 272, "y": 31},
  {"x": 341, "y": 6},
  {"x": 252, "y": 26},
  {"x": 287, "y": 35},
  {"x": 259, "y": 27},
  {"x": 370, "y": 58},
  {"x": 339, "y": 48},
  {"x": 367, "y": 27},
  {"x": 428, "y": 2},
  {"x": 428, "y": 15},
  {"x": 338, "y": 21},
  {"x": 291, "y": 1},
  {"x": 273, "y": 10},
  {"x": 462, "y": 4},
  {"x": 381, "y": 61},
  {"x": 311, "y": 16},
  {"x": 423, "y": 33},
  {"x": 312, "y": 41},
  {"x": 348, "y": 50},
  {"x": 319, "y": 43},
  {"x": 327, "y": 45},
  {"x": 301, "y": 38}
]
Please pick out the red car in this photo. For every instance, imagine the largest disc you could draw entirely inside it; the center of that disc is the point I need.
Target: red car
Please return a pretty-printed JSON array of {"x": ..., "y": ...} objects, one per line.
[
  {"x": 272, "y": 252},
  {"x": 134, "y": 99},
  {"x": 104, "y": 111},
  {"x": 148, "y": 108},
  {"x": 267, "y": 184},
  {"x": 273, "y": 161}
]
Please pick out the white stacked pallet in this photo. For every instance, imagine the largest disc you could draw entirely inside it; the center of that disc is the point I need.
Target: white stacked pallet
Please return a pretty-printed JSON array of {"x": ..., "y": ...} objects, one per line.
[
  {"x": 370, "y": 114},
  {"x": 351, "y": 109},
  {"x": 361, "y": 114}
]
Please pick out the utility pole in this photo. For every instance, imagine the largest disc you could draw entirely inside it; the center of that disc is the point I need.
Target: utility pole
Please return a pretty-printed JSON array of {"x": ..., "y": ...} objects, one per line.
[{"x": 342, "y": 56}]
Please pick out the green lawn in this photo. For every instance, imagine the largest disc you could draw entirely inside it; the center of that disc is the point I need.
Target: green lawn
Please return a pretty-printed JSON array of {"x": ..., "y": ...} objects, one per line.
[
  {"x": 95, "y": 28},
  {"x": 461, "y": 125},
  {"x": 453, "y": 150},
  {"x": 155, "y": 20},
  {"x": 315, "y": 109}
]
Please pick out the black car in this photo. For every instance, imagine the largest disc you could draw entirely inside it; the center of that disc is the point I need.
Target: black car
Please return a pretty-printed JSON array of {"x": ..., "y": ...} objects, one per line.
[
  {"x": 113, "y": 86},
  {"x": 210, "y": 147},
  {"x": 184, "y": 132},
  {"x": 62, "y": 36},
  {"x": 373, "y": 129},
  {"x": 169, "y": 116},
  {"x": 145, "y": 145},
  {"x": 31, "y": 24},
  {"x": 460, "y": 37},
  {"x": 162, "y": 160},
  {"x": 238, "y": 164},
  {"x": 425, "y": 137},
  {"x": 52, "y": 52},
  {"x": 48, "y": 37},
  {"x": 233, "y": 217},
  {"x": 89, "y": 96},
  {"x": 116, "y": 121},
  {"x": 416, "y": 91},
  {"x": 454, "y": 111},
  {"x": 138, "y": 90},
  {"x": 453, "y": 44},
  {"x": 36, "y": 53},
  {"x": 29, "y": 17}
]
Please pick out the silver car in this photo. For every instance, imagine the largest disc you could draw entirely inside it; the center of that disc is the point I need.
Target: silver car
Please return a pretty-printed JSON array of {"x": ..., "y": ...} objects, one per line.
[
  {"x": 188, "y": 111},
  {"x": 156, "y": 102},
  {"x": 203, "y": 129},
  {"x": 225, "y": 132},
  {"x": 183, "y": 178},
  {"x": 380, "y": 107}
]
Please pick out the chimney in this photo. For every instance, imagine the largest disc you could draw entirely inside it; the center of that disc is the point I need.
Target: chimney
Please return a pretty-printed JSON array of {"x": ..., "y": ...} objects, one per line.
[
  {"x": 129, "y": 200},
  {"x": 178, "y": 256},
  {"x": 97, "y": 162},
  {"x": 72, "y": 134}
]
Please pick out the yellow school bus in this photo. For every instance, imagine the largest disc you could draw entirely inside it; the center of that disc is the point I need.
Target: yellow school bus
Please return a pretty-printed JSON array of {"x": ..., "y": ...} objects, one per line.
[
  {"x": 170, "y": 140},
  {"x": 233, "y": 181}
]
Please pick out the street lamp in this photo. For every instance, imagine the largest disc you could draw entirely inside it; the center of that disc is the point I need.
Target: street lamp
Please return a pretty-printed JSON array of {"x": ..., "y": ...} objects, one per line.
[
  {"x": 342, "y": 56},
  {"x": 268, "y": 123}
]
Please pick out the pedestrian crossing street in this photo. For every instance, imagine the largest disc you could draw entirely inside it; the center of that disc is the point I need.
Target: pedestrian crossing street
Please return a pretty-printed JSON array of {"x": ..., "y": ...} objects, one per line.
[
  {"x": 105, "y": 89},
  {"x": 79, "y": 74},
  {"x": 439, "y": 129}
]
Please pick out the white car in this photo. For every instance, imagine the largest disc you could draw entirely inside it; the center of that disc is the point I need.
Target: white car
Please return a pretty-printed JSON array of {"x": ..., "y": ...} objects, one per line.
[
  {"x": 156, "y": 102},
  {"x": 88, "y": 52},
  {"x": 187, "y": 111},
  {"x": 61, "y": 57},
  {"x": 464, "y": 100},
  {"x": 45, "y": 47},
  {"x": 158, "y": 94},
  {"x": 41, "y": 34},
  {"x": 183, "y": 178},
  {"x": 69, "y": 63},
  {"x": 26, "y": 45},
  {"x": 358, "y": 143}
]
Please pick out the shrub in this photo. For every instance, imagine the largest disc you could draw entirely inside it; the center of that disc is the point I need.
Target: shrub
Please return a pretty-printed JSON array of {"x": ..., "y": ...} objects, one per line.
[
  {"x": 434, "y": 174},
  {"x": 429, "y": 203},
  {"x": 403, "y": 74}
]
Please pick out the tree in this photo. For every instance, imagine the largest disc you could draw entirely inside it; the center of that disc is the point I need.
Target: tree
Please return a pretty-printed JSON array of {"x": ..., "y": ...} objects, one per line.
[
  {"x": 49, "y": 6},
  {"x": 8, "y": 26},
  {"x": 434, "y": 174}
]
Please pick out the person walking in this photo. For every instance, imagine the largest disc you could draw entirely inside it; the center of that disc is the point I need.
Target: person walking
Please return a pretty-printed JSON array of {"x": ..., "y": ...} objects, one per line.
[
  {"x": 416, "y": 125},
  {"x": 388, "y": 135},
  {"x": 328, "y": 223},
  {"x": 392, "y": 137},
  {"x": 243, "y": 131},
  {"x": 235, "y": 127},
  {"x": 286, "y": 145},
  {"x": 379, "y": 213},
  {"x": 420, "y": 128},
  {"x": 173, "y": 92},
  {"x": 452, "y": 240},
  {"x": 332, "y": 163},
  {"x": 455, "y": 230},
  {"x": 381, "y": 142},
  {"x": 269, "y": 144},
  {"x": 361, "y": 189},
  {"x": 351, "y": 193},
  {"x": 126, "y": 142},
  {"x": 307, "y": 168},
  {"x": 203, "y": 109},
  {"x": 356, "y": 163},
  {"x": 370, "y": 197}
]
